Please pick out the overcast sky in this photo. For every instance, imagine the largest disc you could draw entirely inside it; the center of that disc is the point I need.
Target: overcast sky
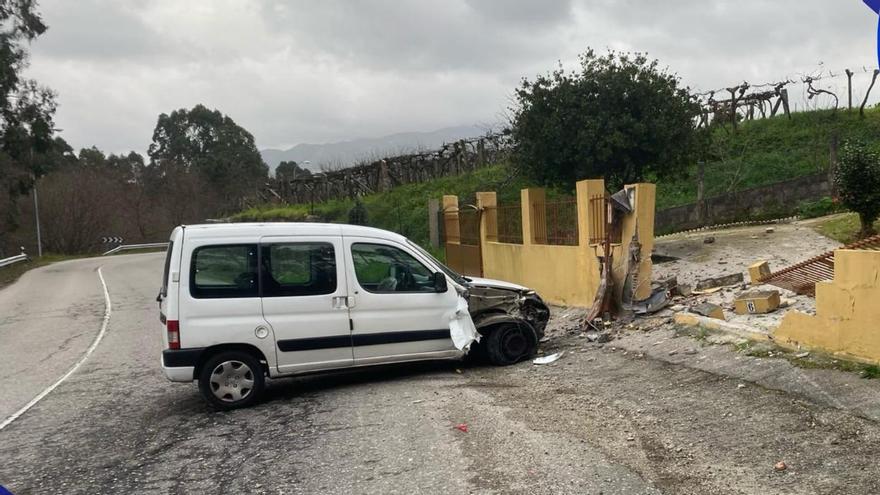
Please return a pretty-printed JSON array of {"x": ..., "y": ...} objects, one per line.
[{"x": 327, "y": 70}]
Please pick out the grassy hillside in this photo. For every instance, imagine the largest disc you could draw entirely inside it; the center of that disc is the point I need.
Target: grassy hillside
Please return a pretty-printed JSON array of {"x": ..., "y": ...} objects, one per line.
[
  {"x": 403, "y": 209},
  {"x": 759, "y": 152},
  {"x": 771, "y": 150}
]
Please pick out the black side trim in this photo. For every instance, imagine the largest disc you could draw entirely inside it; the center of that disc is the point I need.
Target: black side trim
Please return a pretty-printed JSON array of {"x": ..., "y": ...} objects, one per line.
[
  {"x": 336, "y": 341},
  {"x": 181, "y": 358},
  {"x": 310, "y": 344},
  {"x": 398, "y": 337}
]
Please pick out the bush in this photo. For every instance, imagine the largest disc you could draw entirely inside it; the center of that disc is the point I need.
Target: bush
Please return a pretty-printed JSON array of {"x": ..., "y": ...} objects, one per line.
[
  {"x": 818, "y": 208},
  {"x": 858, "y": 179}
]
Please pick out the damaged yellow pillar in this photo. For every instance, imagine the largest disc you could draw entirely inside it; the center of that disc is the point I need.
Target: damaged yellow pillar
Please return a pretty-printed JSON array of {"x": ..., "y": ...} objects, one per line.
[{"x": 641, "y": 222}]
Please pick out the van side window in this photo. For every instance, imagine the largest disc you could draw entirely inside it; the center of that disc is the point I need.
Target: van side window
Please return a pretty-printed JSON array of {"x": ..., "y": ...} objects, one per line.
[
  {"x": 300, "y": 269},
  {"x": 224, "y": 271},
  {"x": 387, "y": 269}
]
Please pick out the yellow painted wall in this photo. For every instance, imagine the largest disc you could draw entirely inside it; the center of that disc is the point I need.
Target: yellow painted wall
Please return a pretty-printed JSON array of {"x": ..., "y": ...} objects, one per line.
[
  {"x": 847, "y": 321},
  {"x": 564, "y": 275}
]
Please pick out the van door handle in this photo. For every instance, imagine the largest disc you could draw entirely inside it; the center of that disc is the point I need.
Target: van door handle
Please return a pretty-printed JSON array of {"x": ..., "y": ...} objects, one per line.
[{"x": 340, "y": 302}]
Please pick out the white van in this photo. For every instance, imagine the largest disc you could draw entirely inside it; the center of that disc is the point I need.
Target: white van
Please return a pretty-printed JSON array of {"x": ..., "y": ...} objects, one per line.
[{"x": 240, "y": 302}]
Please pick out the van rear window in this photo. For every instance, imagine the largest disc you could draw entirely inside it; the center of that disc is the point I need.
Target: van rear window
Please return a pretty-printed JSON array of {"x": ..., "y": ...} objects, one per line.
[{"x": 224, "y": 271}]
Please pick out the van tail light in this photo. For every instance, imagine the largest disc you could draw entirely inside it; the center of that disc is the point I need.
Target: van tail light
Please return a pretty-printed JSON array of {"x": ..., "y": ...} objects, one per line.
[{"x": 173, "y": 327}]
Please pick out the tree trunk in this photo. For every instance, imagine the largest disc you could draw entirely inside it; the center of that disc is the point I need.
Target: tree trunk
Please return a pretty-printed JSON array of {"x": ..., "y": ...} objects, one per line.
[{"x": 867, "y": 227}]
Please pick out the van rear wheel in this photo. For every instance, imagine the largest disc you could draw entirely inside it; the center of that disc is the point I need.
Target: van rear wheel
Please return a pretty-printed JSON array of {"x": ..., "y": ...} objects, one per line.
[
  {"x": 231, "y": 380},
  {"x": 509, "y": 344}
]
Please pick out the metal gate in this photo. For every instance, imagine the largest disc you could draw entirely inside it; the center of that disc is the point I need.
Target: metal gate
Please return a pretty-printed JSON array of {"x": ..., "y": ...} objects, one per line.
[{"x": 461, "y": 239}]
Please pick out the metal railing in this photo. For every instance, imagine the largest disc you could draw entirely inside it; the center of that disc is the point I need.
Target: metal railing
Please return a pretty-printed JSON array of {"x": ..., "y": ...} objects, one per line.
[
  {"x": 13, "y": 259},
  {"x": 129, "y": 247},
  {"x": 556, "y": 222},
  {"x": 802, "y": 277},
  {"x": 508, "y": 220}
]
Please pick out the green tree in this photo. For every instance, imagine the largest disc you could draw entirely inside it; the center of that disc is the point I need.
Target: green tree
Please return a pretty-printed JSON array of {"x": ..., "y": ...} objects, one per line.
[
  {"x": 211, "y": 145},
  {"x": 27, "y": 147},
  {"x": 857, "y": 178},
  {"x": 358, "y": 213},
  {"x": 620, "y": 116},
  {"x": 291, "y": 170}
]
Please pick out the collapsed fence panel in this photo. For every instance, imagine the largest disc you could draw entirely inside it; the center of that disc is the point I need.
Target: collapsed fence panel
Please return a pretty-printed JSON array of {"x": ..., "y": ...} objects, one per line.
[{"x": 802, "y": 277}]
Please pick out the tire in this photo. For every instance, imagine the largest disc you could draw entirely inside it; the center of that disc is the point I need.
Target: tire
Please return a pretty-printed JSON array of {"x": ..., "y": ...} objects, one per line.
[
  {"x": 510, "y": 343},
  {"x": 231, "y": 380}
]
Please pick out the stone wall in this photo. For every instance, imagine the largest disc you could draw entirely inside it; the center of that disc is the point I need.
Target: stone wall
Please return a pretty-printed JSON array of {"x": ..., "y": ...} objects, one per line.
[
  {"x": 766, "y": 202},
  {"x": 380, "y": 175}
]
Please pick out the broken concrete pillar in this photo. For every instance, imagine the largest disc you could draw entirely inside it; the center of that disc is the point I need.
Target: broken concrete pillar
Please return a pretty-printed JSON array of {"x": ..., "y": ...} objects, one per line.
[
  {"x": 710, "y": 310},
  {"x": 758, "y": 272},
  {"x": 756, "y": 302}
]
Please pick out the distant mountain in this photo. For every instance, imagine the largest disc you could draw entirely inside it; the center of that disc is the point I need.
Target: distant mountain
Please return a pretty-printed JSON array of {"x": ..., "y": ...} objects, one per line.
[{"x": 348, "y": 153}]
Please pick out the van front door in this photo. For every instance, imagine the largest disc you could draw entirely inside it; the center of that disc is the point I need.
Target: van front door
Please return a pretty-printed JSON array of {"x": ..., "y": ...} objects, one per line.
[
  {"x": 305, "y": 301},
  {"x": 397, "y": 315}
]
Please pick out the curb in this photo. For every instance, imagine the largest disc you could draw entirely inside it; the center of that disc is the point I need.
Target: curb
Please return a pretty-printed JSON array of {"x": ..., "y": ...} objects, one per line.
[{"x": 735, "y": 329}]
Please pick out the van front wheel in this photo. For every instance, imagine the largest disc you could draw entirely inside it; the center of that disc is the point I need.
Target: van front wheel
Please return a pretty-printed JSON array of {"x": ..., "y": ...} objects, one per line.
[
  {"x": 509, "y": 344},
  {"x": 230, "y": 380}
]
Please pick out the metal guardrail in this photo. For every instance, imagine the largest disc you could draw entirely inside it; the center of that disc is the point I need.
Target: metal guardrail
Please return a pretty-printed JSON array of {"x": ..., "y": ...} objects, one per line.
[
  {"x": 13, "y": 259},
  {"x": 129, "y": 247}
]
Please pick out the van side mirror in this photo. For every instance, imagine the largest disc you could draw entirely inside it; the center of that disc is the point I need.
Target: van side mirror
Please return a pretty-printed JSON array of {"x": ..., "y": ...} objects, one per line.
[{"x": 440, "y": 282}]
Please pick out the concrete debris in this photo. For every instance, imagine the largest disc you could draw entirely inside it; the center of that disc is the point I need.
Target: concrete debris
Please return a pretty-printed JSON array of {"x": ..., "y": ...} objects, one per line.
[
  {"x": 709, "y": 240},
  {"x": 760, "y": 302},
  {"x": 741, "y": 386},
  {"x": 723, "y": 281},
  {"x": 802, "y": 355},
  {"x": 548, "y": 359},
  {"x": 709, "y": 310},
  {"x": 769, "y": 230},
  {"x": 677, "y": 307}
]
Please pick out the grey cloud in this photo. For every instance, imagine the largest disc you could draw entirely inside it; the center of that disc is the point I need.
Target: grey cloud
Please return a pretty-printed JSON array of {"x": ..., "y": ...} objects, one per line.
[{"x": 316, "y": 71}]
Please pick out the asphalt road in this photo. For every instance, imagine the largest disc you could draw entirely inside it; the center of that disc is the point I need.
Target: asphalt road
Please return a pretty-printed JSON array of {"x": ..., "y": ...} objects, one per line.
[{"x": 600, "y": 420}]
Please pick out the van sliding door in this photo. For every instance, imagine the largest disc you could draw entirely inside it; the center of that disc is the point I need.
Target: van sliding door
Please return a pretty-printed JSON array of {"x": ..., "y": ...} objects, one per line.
[{"x": 304, "y": 296}]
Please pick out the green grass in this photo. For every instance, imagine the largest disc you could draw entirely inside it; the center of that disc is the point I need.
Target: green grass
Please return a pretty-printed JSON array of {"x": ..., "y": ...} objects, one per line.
[
  {"x": 842, "y": 228},
  {"x": 765, "y": 151}
]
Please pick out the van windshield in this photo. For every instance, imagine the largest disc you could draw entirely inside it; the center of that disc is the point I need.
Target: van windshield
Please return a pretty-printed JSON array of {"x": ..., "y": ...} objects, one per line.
[{"x": 461, "y": 279}]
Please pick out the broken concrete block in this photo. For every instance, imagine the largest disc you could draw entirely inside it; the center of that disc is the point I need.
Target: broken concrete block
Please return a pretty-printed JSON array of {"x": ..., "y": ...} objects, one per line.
[
  {"x": 769, "y": 230},
  {"x": 711, "y": 283},
  {"x": 758, "y": 272},
  {"x": 710, "y": 310},
  {"x": 756, "y": 302},
  {"x": 683, "y": 290}
]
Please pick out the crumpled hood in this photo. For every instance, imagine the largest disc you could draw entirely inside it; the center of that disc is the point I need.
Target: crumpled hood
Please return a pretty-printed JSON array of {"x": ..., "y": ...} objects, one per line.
[{"x": 497, "y": 284}]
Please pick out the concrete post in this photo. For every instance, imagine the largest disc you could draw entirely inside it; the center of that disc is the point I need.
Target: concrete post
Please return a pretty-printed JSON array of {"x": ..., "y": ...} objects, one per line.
[
  {"x": 587, "y": 227},
  {"x": 450, "y": 219},
  {"x": 486, "y": 202},
  {"x": 534, "y": 202},
  {"x": 434, "y": 222},
  {"x": 641, "y": 220}
]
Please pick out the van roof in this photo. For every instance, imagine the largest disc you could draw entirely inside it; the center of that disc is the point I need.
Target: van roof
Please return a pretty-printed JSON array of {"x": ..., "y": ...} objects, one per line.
[{"x": 208, "y": 230}]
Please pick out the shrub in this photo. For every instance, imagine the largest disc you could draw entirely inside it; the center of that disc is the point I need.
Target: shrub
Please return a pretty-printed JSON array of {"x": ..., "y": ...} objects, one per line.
[{"x": 858, "y": 179}]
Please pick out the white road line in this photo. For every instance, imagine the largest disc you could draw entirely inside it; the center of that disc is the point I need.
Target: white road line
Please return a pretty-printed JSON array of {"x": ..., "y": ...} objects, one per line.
[{"x": 89, "y": 351}]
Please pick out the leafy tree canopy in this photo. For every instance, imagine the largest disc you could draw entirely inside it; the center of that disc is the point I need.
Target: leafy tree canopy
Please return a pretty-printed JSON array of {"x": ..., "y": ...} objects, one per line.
[
  {"x": 857, "y": 178},
  {"x": 620, "y": 116},
  {"x": 212, "y": 145}
]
